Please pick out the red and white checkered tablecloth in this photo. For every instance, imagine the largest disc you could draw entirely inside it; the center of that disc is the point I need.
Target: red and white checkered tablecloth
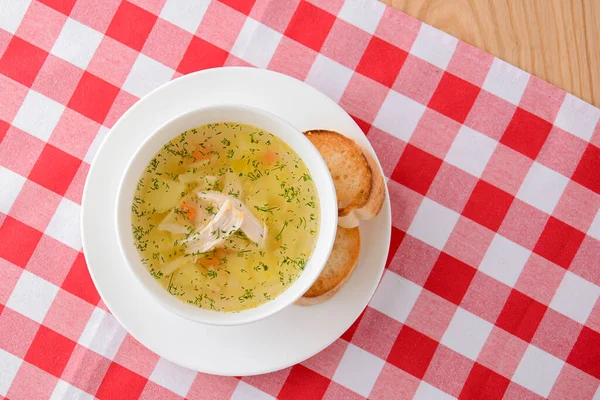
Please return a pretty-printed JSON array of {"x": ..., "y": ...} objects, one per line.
[{"x": 493, "y": 279}]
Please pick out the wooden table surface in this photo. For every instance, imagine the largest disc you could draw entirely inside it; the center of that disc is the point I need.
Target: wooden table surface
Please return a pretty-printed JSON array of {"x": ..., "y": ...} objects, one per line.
[{"x": 556, "y": 40}]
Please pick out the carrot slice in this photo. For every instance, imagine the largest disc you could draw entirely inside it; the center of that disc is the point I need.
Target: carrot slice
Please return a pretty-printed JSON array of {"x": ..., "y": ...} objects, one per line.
[
  {"x": 189, "y": 210},
  {"x": 201, "y": 153},
  {"x": 270, "y": 157}
]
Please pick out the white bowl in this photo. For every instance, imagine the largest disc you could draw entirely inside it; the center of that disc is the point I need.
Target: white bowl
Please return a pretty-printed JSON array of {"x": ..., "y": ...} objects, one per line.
[{"x": 244, "y": 115}]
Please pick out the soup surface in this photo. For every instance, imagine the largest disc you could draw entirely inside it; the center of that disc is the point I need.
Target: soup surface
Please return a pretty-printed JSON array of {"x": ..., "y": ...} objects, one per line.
[{"x": 225, "y": 216}]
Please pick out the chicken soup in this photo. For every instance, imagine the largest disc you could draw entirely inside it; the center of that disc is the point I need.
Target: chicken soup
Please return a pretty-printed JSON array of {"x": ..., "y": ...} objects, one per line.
[{"x": 225, "y": 216}]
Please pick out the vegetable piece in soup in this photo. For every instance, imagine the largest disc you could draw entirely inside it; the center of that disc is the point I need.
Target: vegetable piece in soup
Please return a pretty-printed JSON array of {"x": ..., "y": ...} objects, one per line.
[{"x": 225, "y": 216}]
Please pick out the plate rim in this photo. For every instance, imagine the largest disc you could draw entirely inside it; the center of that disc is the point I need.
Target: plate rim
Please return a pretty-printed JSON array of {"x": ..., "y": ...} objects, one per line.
[{"x": 93, "y": 166}]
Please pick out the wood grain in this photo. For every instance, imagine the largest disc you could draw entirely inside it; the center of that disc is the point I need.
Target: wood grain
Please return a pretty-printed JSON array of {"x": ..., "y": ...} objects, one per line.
[{"x": 556, "y": 40}]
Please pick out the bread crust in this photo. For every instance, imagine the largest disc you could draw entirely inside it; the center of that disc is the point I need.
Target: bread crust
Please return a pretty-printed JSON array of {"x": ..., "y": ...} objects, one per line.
[
  {"x": 361, "y": 191},
  {"x": 337, "y": 270},
  {"x": 374, "y": 203},
  {"x": 348, "y": 167}
]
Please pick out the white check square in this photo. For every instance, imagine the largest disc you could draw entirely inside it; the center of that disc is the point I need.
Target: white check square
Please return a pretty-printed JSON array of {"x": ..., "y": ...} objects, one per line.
[
  {"x": 100, "y": 136},
  {"x": 364, "y": 14},
  {"x": 433, "y": 223},
  {"x": 329, "y": 77},
  {"x": 256, "y": 43},
  {"x": 64, "y": 390},
  {"x": 577, "y": 117},
  {"x": 102, "y": 334},
  {"x": 466, "y": 333},
  {"x": 11, "y": 183},
  {"x": 504, "y": 260},
  {"x": 538, "y": 371},
  {"x": 146, "y": 75},
  {"x": 506, "y": 81},
  {"x": 594, "y": 230},
  {"x": 395, "y": 296},
  {"x": 38, "y": 115},
  {"x": 186, "y": 14},
  {"x": 32, "y": 296},
  {"x": 9, "y": 366},
  {"x": 471, "y": 151},
  {"x": 434, "y": 46},
  {"x": 575, "y": 297},
  {"x": 427, "y": 392},
  {"x": 243, "y": 391},
  {"x": 542, "y": 187},
  {"x": 12, "y": 13},
  {"x": 65, "y": 223},
  {"x": 174, "y": 377},
  {"x": 358, "y": 370},
  {"x": 399, "y": 115},
  {"x": 76, "y": 43}
]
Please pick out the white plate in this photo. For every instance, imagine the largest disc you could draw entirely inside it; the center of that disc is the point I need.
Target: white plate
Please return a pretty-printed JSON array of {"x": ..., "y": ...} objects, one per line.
[{"x": 282, "y": 340}]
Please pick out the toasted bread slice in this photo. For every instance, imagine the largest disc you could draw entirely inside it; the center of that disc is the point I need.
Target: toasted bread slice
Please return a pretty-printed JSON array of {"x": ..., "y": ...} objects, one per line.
[
  {"x": 348, "y": 167},
  {"x": 359, "y": 185},
  {"x": 338, "y": 269},
  {"x": 374, "y": 203}
]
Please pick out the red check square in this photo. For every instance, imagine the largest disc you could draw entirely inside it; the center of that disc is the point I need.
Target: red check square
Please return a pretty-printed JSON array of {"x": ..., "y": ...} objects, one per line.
[
  {"x": 243, "y": 6},
  {"x": 201, "y": 54},
  {"x": 17, "y": 241},
  {"x": 521, "y": 315},
  {"x": 526, "y": 133},
  {"x": 586, "y": 352},
  {"x": 3, "y": 129},
  {"x": 303, "y": 384},
  {"x": 588, "y": 171},
  {"x": 93, "y": 97},
  {"x": 381, "y": 61},
  {"x": 450, "y": 278},
  {"x": 412, "y": 351},
  {"x": 559, "y": 242},
  {"x": 349, "y": 334},
  {"x": 50, "y": 351},
  {"x": 416, "y": 169},
  {"x": 488, "y": 205},
  {"x": 121, "y": 383},
  {"x": 79, "y": 282},
  {"x": 131, "y": 25},
  {"x": 55, "y": 169},
  {"x": 395, "y": 241},
  {"x": 63, "y": 6},
  {"x": 483, "y": 383},
  {"x": 310, "y": 25},
  {"x": 22, "y": 61},
  {"x": 454, "y": 97}
]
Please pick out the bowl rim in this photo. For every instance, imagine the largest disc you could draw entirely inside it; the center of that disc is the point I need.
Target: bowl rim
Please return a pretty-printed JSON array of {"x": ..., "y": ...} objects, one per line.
[{"x": 326, "y": 237}]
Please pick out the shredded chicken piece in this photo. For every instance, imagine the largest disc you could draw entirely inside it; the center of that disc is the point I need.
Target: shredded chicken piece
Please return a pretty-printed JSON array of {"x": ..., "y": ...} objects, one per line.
[
  {"x": 227, "y": 220},
  {"x": 251, "y": 226}
]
